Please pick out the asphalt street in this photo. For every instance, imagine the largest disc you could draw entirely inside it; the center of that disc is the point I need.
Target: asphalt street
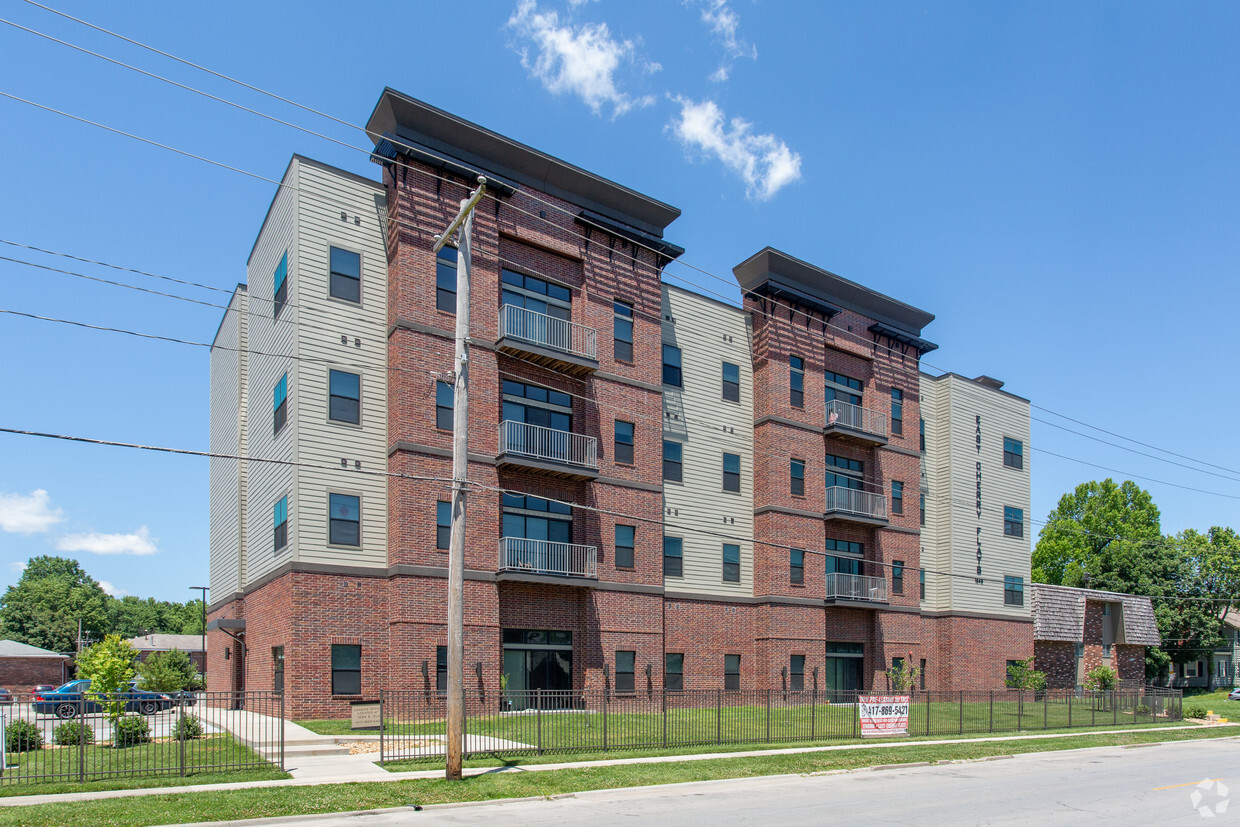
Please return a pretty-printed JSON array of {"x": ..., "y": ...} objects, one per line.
[{"x": 1110, "y": 785}]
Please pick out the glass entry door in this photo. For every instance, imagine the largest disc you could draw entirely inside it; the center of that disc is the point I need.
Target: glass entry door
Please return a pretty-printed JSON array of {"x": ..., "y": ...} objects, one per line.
[
  {"x": 531, "y": 666},
  {"x": 842, "y": 674}
]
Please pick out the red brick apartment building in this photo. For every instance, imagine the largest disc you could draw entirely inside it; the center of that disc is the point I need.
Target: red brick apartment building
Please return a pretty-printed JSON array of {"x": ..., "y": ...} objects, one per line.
[{"x": 669, "y": 490}]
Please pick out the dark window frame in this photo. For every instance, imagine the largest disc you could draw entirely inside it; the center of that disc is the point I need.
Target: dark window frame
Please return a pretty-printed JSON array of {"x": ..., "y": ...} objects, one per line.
[
  {"x": 340, "y": 282},
  {"x": 443, "y": 528},
  {"x": 673, "y": 374},
  {"x": 732, "y": 479},
  {"x": 731, "y": 388},
  {"x": 445, "y": 279},
  {"x": 333, "y": 539},
  {"x": 279, "y": 294},
  {"x": 897, "y": 497},
  {"x": 626, "y": 554},
  {"x": 731, "y": 673},
  {"x": 796, "y": 381},
  {"x": 279, "y": 399},
  {"x": 339, "y": 403},
  {"x": 731, "y": 568},
  {"x": 444, "y": 413},
  {"x": 897, "y": 577},
  {"x": 673, "y": 564},
  {"x": 796, "y": 470},
  {"x": 921, "y": 582},
  {"x": 1013, "y": 453},
  {"x": 342, "y": 673},
  {"x": 921, "y": 520},
  {"x": 674, "y": 679},
  {"x": 622, "y": 449},
  {"x": 626, "y": 683},
  {"x": 1013, "y": 522},
  {"x": 1013, "y": 590},
  {"x": 676, "y": 467},
  {"x": 921, "y": 428},
  {"x": 897, "y": 412},
  {"x": 441, "y": 670},
  {"x": 279, "y": 530},
  {"x": 796, "y": 673},
  {"x": 622, "y": 315},
  {"x": 796, "y": 566}
]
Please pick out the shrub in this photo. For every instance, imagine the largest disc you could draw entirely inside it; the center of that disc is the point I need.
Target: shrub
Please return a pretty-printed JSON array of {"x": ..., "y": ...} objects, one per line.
[
  {"x": 1190, "y": 710},
  {"x": 71, "y": 732},
  {"x": 23, "y": 736},
  {"x": 131, "y": 729},
  {"x": 1142, "y": 709},
  {"x": 1101, "y": 679},
  {"x": 1022, "y": 675},
  {"x": 187, "y": 727}
]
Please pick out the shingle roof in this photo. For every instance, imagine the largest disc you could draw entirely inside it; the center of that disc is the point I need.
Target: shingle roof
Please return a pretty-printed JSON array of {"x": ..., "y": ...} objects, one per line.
[
  {"x": 1059, "y": 614},
  {"x": 13, "y": 649},
  {"x": 162, "y": 643},
  {"x": 1232, "y": 619}
]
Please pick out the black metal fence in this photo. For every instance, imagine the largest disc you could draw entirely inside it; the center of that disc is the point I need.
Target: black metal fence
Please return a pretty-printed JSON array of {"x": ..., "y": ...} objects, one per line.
[
  {"x": 80, "y": 737},
  {"x": 413, "y": 723}
]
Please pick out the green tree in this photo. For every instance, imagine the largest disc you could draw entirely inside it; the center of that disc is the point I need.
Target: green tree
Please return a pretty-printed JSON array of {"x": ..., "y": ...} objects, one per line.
[
  {"x": 109, "y": 665},
  {"x": 1022, "y": 675},
  {"x": 132, "y": 616},
  {"x": 902, "y": 677},
  {"x": 170, "y": 671},
  {"x": 44, "y": 607},
  {"x": 1192, "y": 629}
]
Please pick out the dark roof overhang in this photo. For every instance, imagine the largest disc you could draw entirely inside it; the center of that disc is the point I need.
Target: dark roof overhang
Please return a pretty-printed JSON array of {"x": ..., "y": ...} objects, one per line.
[{"x": 892, "y": 334}]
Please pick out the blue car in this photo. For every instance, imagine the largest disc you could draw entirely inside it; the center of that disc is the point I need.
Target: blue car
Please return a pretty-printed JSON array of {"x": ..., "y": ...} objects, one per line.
[{"x": 71, "y": 699}]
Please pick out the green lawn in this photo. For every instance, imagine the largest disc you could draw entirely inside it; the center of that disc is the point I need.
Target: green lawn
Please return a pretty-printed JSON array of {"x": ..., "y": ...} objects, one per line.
[
  {"x": 181, "y": 808},
  {"x": 1215, "y": 702}
]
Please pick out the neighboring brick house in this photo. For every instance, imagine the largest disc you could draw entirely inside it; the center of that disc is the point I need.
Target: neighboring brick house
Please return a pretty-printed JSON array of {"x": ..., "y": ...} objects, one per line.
[
  {"x": 1077, "y": 630},
  {"x": 147, "y": 645},
  {"x": 23, "y": 667}
]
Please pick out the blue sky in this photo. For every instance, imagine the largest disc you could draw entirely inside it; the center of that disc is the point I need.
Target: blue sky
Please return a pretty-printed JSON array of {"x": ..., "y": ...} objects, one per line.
[{"x": 1057, "y": 182}]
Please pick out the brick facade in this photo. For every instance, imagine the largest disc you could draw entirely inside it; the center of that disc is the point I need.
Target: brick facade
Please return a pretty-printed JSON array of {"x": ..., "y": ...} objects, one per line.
[{"x": 21, "y": 675}]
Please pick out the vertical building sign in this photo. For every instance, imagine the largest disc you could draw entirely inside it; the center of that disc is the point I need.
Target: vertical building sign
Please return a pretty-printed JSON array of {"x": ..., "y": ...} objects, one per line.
[{"x": 978, "y": 580}]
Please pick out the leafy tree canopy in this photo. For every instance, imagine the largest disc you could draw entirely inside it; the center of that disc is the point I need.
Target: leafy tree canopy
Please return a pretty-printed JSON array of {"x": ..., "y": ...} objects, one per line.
[
  {"x": 44, "y": 607},
  {"x": 169, "y": 671}
]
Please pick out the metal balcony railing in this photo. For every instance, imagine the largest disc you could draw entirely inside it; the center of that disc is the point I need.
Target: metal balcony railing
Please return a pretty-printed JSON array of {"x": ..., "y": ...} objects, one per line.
[
  {"x": 548, "y": 331},
  {"x": 856, "y": 587},
  {"x": 548, "y": 444},
  {"x": 546, "y": 557},
  {"x": 852, "y": 416},
  {"x": 860, "y": 503}
]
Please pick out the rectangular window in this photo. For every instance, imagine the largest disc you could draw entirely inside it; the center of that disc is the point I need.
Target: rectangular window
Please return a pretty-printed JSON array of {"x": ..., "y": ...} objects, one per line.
[
  {"x": 731, "y": 563},
  {"x": 345, "y": 397},
  {"x": 732, "y": 472},
  {"x": 346, "y": 669},
  {"x": 1013, "y": 453},
  {"x": 796, "y": 566},
  {"x": 798, "y": 478},
  {"x": 841, "y": 387},
  {"x": 796, "y": 673},
  {"x": 796, "y": 381},
  {"x": 671, "y": 366},
  {"x": 280, "y": 400},
  {"x": 536, "y": 295},
  {"x": 897, "y": 664},
  {"x": 921, "y": 582},
  {"x": 674, "y": 672},
  {"x": 921, "y": 518},
  {"x": 626, "y": 663},
  {"x": 280, "y": 520},
  {"x": 1013, "y": 521},
  {"x": 673, "y": 557},
  {"x": 441, "y": 670},
  {"x": 625, "y": 542},
  {"x": 673, "y": 461},
  {"x": 897, "y": 412},
  {"x": 1106, "y": 650},
  {"x": 622, "y": 331},
  {"x": 346, "y": 275},
  {"x": 921, "y": 427},
  {"x": 445, "y": 279},
  {"x": 623, "y": 449},
  {"x": 897, "y": 577},
  {"x": 345, "y": 526},
  {"x": 897, "y": 497},
  {"x": 843, "y": 472},
  {"x": 921, "y": 675},
  {"x": 1190, "y": 669},
  {"x": 444, "y": 399},
  {"x": 731, "y": 382},
  {"x": 280, "y": 285},
  {"x": 1013, "y": 591},
  {"x": 443, "y": 524},
  {"x": 732, "y": 673}
]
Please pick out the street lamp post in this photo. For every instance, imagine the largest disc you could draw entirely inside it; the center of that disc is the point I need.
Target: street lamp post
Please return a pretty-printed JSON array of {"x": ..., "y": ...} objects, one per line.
[{"x": 204, "y": 590}]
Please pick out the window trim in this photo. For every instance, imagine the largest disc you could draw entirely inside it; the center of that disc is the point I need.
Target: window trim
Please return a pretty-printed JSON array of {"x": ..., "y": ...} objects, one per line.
[
  {"x": 440, "y": 527},
  {"x": 796, "y": 381},
  {"x": 277, "y": 546},
  {"x": 678, "y": 367},
  {"x": 732, "y": 477},
  {"x": 618, "y": 442},
  {"x": 796, "y": 481},
  {"x": 679, "y": 464},
  {"x": 737, "y": 563},
  {"x": 339, "y": 493},
  {"x": 1014, "y": 459},
  {"x": 897, "y": 406},
  {"x": 735, "y": 387},
  {"x": 279, "y": 299},
  {"x": 455, "y": 264},
  {"x": 334, "y": 670},
  {"x": 1013, "y": 522},
  {"x": 668, "y": 672},
  {"x": 631, "y": 672},
  {"x": 440, "y": 407},
  {"x": 280, "y": 410},
  {"x": 796, "y": 570},
  {"x": 617, "y": 316},
  {"x": 897, "y": 502},
  {"x": 679, "y": 558},
  {"x": 331, "y": 396},
  {"x": 1013, "y": 590},
  {"x": 632, "y": 547},
  {"x": 360, "y": 271}
]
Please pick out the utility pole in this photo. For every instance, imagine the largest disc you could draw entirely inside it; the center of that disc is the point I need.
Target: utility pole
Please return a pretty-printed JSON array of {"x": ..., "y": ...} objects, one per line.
[{"x": 464, "y": 222}]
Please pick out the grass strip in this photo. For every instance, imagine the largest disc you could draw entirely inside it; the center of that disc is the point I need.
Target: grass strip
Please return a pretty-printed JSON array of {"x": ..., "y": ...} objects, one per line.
[{"x": 185, "y": 808}]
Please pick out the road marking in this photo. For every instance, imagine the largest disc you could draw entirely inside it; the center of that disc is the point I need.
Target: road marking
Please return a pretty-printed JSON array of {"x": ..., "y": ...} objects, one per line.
[{"x": 1186, "y": 784}]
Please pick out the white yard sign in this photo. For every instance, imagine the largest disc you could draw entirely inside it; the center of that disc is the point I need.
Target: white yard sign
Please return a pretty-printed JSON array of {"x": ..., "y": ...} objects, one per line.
[{"x": 883, "y": 715}]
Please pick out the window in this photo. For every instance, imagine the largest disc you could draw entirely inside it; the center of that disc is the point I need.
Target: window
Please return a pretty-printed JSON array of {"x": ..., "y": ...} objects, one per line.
[
  {"x": 897, "y": 497},
  {"x": 280, "y": 285},
  {"x": 897, "y": 412},
  {"x": 921, "y": 675},
  {"x": 921, "y": 518},
  {"x": 843, "y": 472},
  {"x": 280, "y": 400},
  {"x": 846, "y": 546},
  {"x": 346, "y": 669},
  {"x": 897, "y": 664},
  {"x": 673, "y": 461},
  {"x": 1191, "y": 669},
  {"x": 445, "y": 279},
  {"x": 921, "y": 428},
  {"x": 537, "y": 296},
  {"x": 1106, "y": 650},
  {"x": 443, "y": 524},
  {"x": 623, "y": 450},
  {"x": 844, "y": 565},
  {"x": 1013, "y": 590},
  {"x": 625, "y": 666},
  {"x": 1106, "y": 609},
  {"x": 527, "y": 517},
  {"x": 798, "y": 478},
  {"x": 796, "y": 566},
  {"x": 732, "y": 472},
  {"x": 536, "y": 405},
  {"x": 897, "y": 577},
  {"x": 280, "y": 521},
  {"x": 731, "y": 563},
  {"x": 1220, "y": 666},
  {"x": 345, "y": 402},
  {"x": 671, "y": 366},
  {"x": 346, "y": 275},
  {"x": 841, "y": 387},
  {"x": 622, "y": 331},
  {"x": 1013, "y": 521},
  {"x": 673, "y": 557},
  {"x": 731, "y": 382},
  {"x": 796, "y": 381},
  {"x": 1013, "y": 453},
  {"x": 796, "y": 673},
  {"x": 674, "y": 672},
  {"x": 441, "y": 670},
  {"x": 444, "y": 396},
  {"x": 921, "y": 581},
  {"x": 345, "y": 527},
  {"x": 625, "y": 541},
  {"x": 731, "y": 673}
]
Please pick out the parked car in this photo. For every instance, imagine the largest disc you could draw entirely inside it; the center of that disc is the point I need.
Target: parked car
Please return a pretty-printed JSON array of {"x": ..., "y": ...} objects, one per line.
[
  {"x": 41, "y": 688},
  {"x": 6, "y": 697},
  {"x": 184, "y": 698},
  {"x": 74, "y": 697},
  {"x": 1234, "y": 695}
]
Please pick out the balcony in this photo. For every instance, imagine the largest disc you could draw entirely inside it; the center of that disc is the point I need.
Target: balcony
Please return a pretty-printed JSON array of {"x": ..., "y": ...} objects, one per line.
[
  {"x": 547, "y": 451},
  {"x": 542, "y": 557},
  {"x": 856, "y": 587},
  {"x": 855, "y": 424},
  {"x": 546, "y": 340},
  {"x": 850, "y": 505}
]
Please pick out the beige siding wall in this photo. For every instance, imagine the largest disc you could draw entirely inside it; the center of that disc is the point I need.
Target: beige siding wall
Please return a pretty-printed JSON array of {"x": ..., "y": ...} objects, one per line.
[
  {"x": 227, "y": 424},
  {"x": 708, "y": 334}
]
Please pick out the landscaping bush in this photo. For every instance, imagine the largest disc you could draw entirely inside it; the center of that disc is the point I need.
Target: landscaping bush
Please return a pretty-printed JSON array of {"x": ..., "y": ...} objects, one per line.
[
  {"x": 187, "y": 727},
  {"x": 131, "y": 729},
  {"x": 1190, "y": 711},
  {"x": 70, "y": 733},
  {"x": 1101, "y": 679},
  {"x": 23, "y": 736},
  {"x": 1143, "y": 709}
]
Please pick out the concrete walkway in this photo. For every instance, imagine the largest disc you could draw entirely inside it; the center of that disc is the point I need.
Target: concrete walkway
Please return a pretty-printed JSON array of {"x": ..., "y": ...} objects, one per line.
[{"x": 310, "y": 770}]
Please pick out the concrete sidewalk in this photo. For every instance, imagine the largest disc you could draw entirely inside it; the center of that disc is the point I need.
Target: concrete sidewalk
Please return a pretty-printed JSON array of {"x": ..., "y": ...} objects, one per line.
[{"x": 312, "y": 770}]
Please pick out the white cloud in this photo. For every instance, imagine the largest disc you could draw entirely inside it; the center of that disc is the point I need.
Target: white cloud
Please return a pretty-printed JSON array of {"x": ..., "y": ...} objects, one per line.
[
  {"x": 17, "y": 566},
  {"x": 28, "y": 514},
  {"x": 579, "y": 59},
  {"x": 138, "y": 543},
  {"x": 108, "y": 588},
  {"x": 724, "y": 24},
  {"x": 763, "y": 162}
]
